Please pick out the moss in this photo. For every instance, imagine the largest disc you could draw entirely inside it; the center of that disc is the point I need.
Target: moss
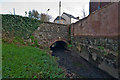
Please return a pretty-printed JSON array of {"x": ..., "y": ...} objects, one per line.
[
  {"x": 70, "y": 45},
  {"x": 101, "y": 47}
]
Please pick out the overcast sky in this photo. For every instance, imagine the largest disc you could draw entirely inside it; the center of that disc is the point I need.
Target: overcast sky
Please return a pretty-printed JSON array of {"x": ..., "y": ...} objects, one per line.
[{"x": 73, "y": 7}]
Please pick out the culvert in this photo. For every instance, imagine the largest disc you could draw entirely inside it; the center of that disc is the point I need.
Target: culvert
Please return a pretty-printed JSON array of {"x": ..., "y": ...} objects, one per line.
[{"x": 58, "y": 45}]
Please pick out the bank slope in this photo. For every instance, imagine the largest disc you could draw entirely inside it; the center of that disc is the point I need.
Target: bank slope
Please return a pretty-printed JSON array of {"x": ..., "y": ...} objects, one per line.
[{"x": 28, "y": 62}]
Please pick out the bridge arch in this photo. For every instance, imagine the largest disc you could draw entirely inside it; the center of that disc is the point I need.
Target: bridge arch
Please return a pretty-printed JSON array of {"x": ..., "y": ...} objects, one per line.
[
  {"x": 58, "y": 39},
  {"x": 58, "y": 43}
]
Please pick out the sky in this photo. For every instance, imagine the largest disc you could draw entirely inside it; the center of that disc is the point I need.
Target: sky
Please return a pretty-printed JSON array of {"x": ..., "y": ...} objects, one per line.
[{"x": 73, "y": 7}]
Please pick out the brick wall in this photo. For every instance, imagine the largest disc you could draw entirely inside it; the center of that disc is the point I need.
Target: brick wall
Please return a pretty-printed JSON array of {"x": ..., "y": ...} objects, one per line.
[
  {"x": 94, "y": 5},
  {"x": 103, "y": 22},
  {"x": 95, "y": 38}
]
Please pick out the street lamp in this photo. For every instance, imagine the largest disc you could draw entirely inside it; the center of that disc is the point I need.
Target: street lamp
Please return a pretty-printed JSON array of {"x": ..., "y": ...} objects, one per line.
[
  {"x": 14, "y": 11},
  {"x": 47, "y": 10}
]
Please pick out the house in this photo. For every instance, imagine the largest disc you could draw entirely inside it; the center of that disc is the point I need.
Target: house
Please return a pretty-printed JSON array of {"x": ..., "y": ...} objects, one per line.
[
  {"x": 93, "y": 6},
  {"x": 69, "y": 18},
  {"x": 58, "y": 20},
  {"x": 66, "y": 19}
]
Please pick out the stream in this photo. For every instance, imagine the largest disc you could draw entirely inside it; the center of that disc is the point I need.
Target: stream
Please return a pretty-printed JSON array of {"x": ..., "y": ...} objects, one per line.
[{"x": 76, "y": 66}]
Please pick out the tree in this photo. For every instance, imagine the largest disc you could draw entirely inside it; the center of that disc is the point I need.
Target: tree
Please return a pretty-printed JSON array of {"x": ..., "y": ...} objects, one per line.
[
  {"x": 84, "y": 13},
  {"x": 25, "y": 13},
  {"x": 30, "y": 14},
  {"x": 34, "y": 14},
  {"x": 45, "y": 17},
  {"x": 42, "y": 16}
]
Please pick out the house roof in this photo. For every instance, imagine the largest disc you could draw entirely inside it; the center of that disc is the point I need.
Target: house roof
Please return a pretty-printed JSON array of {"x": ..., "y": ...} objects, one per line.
[
  {"x": 71, "y": 16},
  {"x": 57, "y": 18}
]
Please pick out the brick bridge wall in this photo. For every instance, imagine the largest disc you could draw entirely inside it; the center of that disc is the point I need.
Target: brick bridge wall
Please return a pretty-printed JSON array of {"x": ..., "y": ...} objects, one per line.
[
  {"x": 48, "y": 33},
  {"x": 96, "y": 38}
]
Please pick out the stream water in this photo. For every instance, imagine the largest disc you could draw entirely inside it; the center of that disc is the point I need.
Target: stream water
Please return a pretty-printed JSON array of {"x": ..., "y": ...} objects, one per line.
[{"x": 74, "y": 64}]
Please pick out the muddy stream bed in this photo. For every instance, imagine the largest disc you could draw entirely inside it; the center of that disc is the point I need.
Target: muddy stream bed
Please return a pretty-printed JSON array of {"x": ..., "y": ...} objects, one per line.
[{"x": 76, "y": 66}]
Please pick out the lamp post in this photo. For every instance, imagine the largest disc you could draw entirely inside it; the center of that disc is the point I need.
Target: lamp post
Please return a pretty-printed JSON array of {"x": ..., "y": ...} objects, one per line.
[
  {"x": 47, "y": 10},
  {"x": 14, "y": 11},
  {"x": 59, "y": 11}
]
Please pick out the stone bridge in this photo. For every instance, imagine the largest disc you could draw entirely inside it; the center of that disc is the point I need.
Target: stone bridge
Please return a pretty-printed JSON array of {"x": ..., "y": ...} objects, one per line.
[
  {"x": 95, "y": 37},
  {"x": 49, "y": 33}
]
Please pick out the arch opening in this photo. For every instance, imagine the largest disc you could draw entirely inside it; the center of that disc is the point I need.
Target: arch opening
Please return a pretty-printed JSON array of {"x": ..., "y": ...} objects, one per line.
[{"x": 58, "y": 45}]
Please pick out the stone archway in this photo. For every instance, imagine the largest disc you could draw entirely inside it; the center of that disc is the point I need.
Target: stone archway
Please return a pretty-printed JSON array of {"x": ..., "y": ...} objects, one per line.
[
  {"x": 58, "y": 39},
  {"x": 58, "y": 44}
]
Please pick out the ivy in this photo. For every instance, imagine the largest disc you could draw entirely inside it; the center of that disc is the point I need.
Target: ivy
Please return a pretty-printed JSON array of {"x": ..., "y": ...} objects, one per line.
[{"x": 19, "y": 26}]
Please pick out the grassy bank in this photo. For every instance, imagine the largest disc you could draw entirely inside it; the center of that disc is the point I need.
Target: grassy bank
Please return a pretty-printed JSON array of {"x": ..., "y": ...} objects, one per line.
[
  {"x": 28, "y": 62},
  {"x": 18, "y": 26}
]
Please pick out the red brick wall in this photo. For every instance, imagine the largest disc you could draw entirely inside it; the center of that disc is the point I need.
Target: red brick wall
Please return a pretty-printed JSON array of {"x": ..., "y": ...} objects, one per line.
[
  {"x": 94, "y": 5},
  {"x": 103, "y": 22},
  {"x": 102, "y": 4}
]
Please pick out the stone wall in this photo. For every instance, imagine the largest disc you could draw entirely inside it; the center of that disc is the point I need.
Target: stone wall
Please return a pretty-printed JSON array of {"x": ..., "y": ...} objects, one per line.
[
  {"x": 95, "y": 38},
  {"x": 101, "y": 52},
  {"x": 48, "y": 32}
]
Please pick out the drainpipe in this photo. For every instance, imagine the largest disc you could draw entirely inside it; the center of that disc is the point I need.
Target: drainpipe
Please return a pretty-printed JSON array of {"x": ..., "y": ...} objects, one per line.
[{"x": 70, "y": 19}]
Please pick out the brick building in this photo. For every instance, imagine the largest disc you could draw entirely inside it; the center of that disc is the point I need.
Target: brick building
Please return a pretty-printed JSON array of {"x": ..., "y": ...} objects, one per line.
[{"x": 93, "y": 6}]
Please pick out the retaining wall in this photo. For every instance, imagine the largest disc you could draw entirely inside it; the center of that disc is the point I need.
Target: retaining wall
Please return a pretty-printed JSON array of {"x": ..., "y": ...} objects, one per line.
[{"x": 96, "y": 38}]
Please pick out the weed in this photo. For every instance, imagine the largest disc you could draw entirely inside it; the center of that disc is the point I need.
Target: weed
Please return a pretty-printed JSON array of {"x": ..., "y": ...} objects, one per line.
[
  {"x": 101, "y": 47},
  {"x": 70, "y": 45}
]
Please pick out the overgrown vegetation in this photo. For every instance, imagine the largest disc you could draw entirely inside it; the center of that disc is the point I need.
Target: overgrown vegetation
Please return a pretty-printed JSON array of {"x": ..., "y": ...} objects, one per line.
[
  {"x": 70, "y": 45},
  {"x": 28, "y": 62},
  {"x": 18, "y": 26},
  {"x": 103, "y": 49},
  {"x": 69, "y": 34},
  {"x": 18, "y": 40},
  {"x": 70, "y": 42},
  {"x": 17, "y": 29},
  {"x": 20, "y": 57},
  {"x": 34, "y": 41}
]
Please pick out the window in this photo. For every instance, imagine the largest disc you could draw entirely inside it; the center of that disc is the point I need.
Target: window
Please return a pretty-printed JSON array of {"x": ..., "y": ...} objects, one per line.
[{"x": 57, "y": 21}]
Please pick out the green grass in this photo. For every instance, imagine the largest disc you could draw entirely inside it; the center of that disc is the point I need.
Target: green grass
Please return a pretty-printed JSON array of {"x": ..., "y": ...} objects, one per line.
[{"x": 28, "y": 62}]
